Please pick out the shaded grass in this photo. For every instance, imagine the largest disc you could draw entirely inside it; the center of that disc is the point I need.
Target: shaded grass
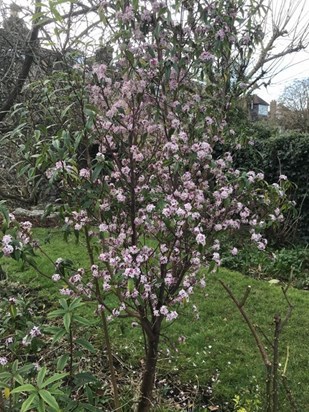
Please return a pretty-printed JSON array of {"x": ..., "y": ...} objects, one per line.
[
  {"x": 217, "y": 350},
  {"x": 220, "y": 345}
]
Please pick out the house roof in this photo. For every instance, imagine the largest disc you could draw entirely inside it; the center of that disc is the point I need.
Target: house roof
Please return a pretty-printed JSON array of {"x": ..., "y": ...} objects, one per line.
[{"x": 257, "y": 100}]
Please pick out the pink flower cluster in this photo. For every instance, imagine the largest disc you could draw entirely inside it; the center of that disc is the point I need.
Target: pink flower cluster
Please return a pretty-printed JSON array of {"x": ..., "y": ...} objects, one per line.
[
  {"x": 7, "y": 248},
  {"x": 78, "y": 219}
]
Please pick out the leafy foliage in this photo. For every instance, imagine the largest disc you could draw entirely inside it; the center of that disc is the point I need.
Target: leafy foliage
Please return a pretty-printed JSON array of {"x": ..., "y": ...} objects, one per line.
[
  {"x": 286, "y": 154},
  {"x": 294, "y": 106},
  {"x": 285, "y": 265}
]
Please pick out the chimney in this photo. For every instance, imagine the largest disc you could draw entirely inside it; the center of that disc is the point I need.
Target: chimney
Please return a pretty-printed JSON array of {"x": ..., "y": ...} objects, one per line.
[{"x": 273, "y": 109}]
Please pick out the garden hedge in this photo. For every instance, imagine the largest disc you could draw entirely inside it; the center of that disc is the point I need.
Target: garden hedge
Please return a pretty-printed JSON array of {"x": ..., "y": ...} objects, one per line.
[{"x": 286, "y": 154}]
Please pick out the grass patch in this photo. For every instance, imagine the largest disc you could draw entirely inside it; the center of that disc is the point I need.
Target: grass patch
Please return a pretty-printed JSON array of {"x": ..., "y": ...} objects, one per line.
[
  {"x": 220, "y": 350},
  {"x": 216, "y": 351}
]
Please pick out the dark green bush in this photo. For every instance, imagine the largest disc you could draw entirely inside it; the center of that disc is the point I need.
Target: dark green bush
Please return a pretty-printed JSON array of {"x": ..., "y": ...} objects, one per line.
[
  {"x": 287, "y": 264},
  {"x": 286, "y": 154}
]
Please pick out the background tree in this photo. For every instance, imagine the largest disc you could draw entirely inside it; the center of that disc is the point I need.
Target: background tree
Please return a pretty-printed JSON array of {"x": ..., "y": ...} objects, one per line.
[
  {"x": 32, "y": 37},
  {"x": 293, "y": 109}
]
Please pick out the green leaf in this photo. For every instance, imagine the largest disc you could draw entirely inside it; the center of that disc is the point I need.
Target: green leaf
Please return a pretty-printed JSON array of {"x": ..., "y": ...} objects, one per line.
[
  {"x": 41, "y": 405},
  {"x": 57, "y": 16},
  {"x": 19, "y": 379},
  {"x": 83, "y": 378},
  {"x": 63, "y": 302},
  {"x": 4, "y": 212},
  {"x": 24, "y": 388},
  {"x": 41, "y": 376},
  {"x": 13, "y": 311},
  {"x": 131, "y": 285},
  {"x": 49, "y": 399},
  {"x": 135, "y": 5},
  {"x": 130, "y": 57},
  {"x": 76, "y": 303},
  {"x": 89, "y": 407},
  {"x": 97, "y": 170},
  {"x": 211, "y": 266},
  {"x": 67, "y": 321},
  {"x": 58, "y": 336},
  {"x": 25, "y": 368},
  {"x": 28, "y": 403},
  {"x": 82, "y": 321},
  {"x": 85, "y": 344},
  {"x": 5, "y": 375},
  {"x": 54, "y": 378},
  {"x": 64, "y": 112},
  {"x": 55, "y": 313},
  {"x": 62, "y": 361},
  {"x": 89, "y": 394}
]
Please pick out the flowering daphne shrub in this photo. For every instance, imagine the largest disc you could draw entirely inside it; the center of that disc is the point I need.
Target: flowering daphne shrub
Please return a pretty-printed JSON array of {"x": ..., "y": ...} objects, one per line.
[{"x": 155, "y": 203}]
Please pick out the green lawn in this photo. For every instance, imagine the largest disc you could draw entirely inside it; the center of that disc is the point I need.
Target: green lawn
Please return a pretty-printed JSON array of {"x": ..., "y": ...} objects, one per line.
[{"x": 218, "y": 350}]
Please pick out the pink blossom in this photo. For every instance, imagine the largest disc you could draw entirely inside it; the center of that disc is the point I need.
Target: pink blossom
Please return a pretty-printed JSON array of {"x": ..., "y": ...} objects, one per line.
[
  {"x": 7, "y": 250},
  {"x": 206, "y": 56},
  {"x": 65, "y": 292},
  {"x": 3, "y": 360},
  {"x": 172, "y": 315},
  {"x": 35, "y": 331},
  {"x": 200, "y": 239},
  {"x": 163, "y": 310},
  {"x": 84, "y": 173},
  {"x": 6, "y": 239},
  {"x": 234, "y": 251},
  {"x": 103, "y": 227}
]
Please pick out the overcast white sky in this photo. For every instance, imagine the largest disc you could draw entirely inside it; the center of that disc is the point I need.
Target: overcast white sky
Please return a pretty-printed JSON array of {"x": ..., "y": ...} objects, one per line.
[
  {"x": 293, "y": 67},
  {"x": 299, "y": 69}
]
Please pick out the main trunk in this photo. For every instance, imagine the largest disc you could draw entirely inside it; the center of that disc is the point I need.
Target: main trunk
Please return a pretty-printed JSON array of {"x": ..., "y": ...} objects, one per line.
[{"x": 149, "y": 374}]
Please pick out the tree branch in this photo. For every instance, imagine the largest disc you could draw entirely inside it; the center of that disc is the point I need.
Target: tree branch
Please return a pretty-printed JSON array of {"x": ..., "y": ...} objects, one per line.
[
  {"x": 24, "y": 73},
  {"x": 29, "y": 55}
]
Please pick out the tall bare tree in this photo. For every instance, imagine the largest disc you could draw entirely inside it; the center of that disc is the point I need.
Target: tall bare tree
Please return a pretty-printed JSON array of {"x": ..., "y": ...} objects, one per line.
[
  {"x": 294, "y": 106},
  {"x": 27, "y": 30}
]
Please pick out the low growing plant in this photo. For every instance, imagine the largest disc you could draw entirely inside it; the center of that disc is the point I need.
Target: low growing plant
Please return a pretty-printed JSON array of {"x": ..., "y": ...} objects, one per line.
[{"x": 286, "y": 264}]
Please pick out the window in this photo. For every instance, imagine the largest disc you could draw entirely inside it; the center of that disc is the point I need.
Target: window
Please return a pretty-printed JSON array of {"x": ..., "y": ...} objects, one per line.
[{"x": 263, "y": 110}]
